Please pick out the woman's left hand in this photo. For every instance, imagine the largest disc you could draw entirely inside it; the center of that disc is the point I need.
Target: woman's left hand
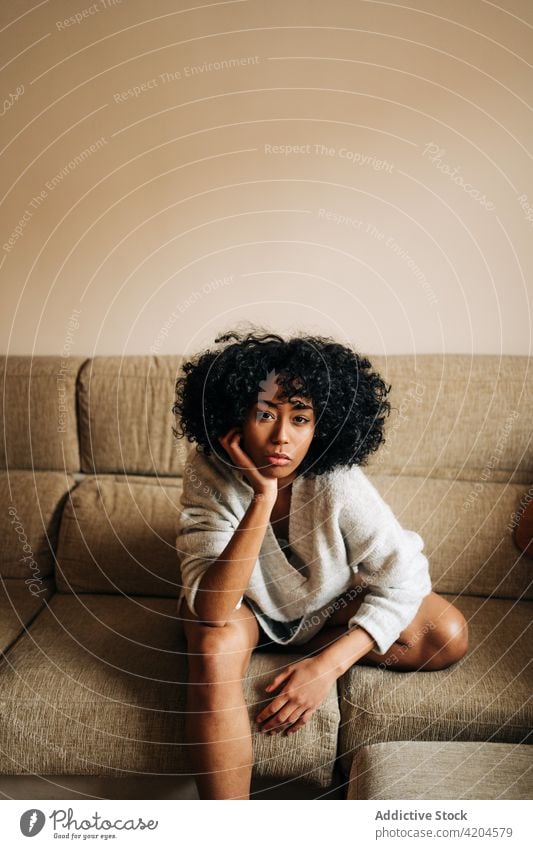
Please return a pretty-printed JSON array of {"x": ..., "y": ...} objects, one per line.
[{"x": 306, "y": 684}]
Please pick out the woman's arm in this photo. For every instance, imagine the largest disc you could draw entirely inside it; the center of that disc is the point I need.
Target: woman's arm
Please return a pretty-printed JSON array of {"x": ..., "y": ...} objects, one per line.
[
  {"x": 225, "y": 581},
  {"x": 218, "y": 555},
  {"x": 389, "y": 559}
]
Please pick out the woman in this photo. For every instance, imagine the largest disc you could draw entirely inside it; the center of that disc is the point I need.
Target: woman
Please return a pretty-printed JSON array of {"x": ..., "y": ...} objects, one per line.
[{"x": 284, "y": 542}]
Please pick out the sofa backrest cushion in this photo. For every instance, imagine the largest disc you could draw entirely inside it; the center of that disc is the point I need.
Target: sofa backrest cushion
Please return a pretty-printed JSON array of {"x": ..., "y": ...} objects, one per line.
[
  {"x": 38, "y": 421},
  {"x": 126, "y": 420},
  {"x": 119, "y": 536},
  {"x": 454, "y": 416},
  {"x": 467, "y": 531},
  {"x": 31, "y": 504},
  {"x": 458, "y": 416}
]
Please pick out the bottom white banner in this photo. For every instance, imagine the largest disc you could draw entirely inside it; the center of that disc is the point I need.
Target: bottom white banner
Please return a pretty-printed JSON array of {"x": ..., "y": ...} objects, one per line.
[{"x": 169, "y": 823}]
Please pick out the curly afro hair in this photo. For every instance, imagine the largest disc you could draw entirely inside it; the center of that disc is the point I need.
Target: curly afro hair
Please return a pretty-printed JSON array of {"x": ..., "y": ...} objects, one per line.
[{"x": 348, "y": 397}]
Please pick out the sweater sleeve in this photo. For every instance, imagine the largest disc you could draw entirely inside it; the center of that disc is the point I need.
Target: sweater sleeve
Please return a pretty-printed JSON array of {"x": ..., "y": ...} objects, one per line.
[
  {"x": 390, "y": 560},
  {"x": 205, "y": 527}
]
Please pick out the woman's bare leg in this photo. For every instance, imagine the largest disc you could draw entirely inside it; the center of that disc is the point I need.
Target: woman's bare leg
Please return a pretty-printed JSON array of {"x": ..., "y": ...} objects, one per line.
[
  {"x": 436, "y": 637},
  {"x": 217, "y": 725}
]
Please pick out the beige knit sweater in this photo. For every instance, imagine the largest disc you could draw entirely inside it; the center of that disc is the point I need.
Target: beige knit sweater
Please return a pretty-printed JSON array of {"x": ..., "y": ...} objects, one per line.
[{"x": 339, "y": 525}]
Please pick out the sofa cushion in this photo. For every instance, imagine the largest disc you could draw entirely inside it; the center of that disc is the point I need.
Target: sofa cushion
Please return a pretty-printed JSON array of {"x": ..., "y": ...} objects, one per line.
[
  {"x": 467, "y": 530},
  {"x": 31, "y": 505},
  {"x": 309, "y": 754},
  {"x": 38, "y": 421},
  {"x": 19, "y": 605},
  {"x": 97, "y": 686},
  {"x": 484, "y": 696},
  {"x": 126, "y": 419},
  {"x": 120, "y": 537},
  {"x": 457, "y": 416},
  {"x": 442, "y": 771}
]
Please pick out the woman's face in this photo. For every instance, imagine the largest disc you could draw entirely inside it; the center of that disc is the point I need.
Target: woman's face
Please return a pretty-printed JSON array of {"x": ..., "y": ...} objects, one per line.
[{"x": 272, "y": 425}]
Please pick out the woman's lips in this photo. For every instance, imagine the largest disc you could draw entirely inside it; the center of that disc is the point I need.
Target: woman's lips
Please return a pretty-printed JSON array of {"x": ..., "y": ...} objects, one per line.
[{"x": 278, "y": 461}]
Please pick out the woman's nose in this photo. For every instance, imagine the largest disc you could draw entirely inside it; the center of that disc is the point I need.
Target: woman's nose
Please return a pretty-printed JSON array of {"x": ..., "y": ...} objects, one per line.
[{"x": 279, "y": 433}]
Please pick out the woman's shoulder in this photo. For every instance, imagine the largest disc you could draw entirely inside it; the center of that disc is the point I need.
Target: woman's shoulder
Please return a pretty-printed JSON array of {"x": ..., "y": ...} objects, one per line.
[
  {"x": 341, "y": 476},
  {"x": 351, "y": 486},
  {"x": 331, "y": 490}
]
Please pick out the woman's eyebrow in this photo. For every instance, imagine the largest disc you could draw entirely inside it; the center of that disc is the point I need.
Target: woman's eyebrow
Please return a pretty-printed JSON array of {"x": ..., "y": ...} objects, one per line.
[{"x": 299, "y": 404}]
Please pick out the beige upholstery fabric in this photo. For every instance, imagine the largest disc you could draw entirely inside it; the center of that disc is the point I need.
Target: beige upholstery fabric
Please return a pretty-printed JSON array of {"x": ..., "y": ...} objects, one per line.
[
  {"x": 467, "y": 532},
  {"x": 19, "y": 605},
  {"x": 97, "y": 685},
  {"x": 456, "y": 416},
  {"x": 484, "y": 696},
  {"x": 119, "y": 536},
  {"x": 31, "y": 504},
  {"x": 38, "y": 424},
  {"x": 125, "y": 416},
  {"x": 442, "y": 770}
]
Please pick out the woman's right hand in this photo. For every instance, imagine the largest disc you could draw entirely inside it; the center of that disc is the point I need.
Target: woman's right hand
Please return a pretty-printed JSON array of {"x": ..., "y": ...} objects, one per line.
[{"x": 261, "y": 485}]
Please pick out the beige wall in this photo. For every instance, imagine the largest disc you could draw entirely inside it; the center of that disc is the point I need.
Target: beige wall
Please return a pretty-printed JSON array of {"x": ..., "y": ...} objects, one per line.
[{"x": 147, "y": 208}]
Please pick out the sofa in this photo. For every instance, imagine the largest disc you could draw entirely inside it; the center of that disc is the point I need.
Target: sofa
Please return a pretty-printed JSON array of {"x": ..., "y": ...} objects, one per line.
[{"x": 94, "y": 661}]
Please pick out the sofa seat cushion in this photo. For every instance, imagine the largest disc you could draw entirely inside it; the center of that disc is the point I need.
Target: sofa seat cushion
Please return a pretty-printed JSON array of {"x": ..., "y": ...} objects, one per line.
[
  {"x": 308, "y": 755},
  {"x": 484, "y": 696},
  {"x": 97, "y": 685},
  {"x": 424, "y": 770},
  {"x": 19, "y": 605}
]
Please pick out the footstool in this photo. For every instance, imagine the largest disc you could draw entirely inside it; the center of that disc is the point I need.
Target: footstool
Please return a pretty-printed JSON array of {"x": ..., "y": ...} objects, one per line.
[{"x": 442, "y": 770}]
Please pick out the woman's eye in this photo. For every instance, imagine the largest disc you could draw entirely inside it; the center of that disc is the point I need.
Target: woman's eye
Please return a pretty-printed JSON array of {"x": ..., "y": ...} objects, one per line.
[{"x": 262, "y": 413}]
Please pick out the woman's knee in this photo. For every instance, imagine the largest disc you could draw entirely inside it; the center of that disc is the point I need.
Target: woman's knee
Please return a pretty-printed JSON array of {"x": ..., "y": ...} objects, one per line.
[
  {"x": 447, "y": 642},
  {"x": 217, "y": 654}
]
